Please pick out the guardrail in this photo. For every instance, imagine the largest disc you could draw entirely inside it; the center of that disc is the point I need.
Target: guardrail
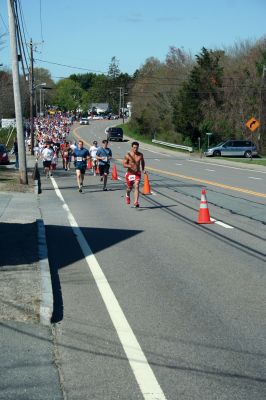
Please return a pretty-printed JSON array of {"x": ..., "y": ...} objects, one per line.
[{"x": 176, "y": 146}]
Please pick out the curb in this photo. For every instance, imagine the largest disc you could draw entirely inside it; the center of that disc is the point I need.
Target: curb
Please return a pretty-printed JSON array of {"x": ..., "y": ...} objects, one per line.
[{"x": 46, "y": 305}]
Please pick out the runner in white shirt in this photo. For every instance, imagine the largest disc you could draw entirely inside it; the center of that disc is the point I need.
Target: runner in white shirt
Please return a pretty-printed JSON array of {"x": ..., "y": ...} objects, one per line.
[
  {"x": 93, "y": 150},
  {"x": 47, "y": 156}
]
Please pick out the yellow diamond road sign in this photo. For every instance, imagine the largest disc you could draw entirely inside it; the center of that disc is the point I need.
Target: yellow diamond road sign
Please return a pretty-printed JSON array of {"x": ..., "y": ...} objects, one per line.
[{"x": 252, "y": 124}]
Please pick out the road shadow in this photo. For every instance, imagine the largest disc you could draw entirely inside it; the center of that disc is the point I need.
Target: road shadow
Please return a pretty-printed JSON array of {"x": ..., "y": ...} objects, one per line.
[
  {"x": 19, "y": 244},
  {"x": 19, "y": 247},
  {"x": 64, "y": 251}
]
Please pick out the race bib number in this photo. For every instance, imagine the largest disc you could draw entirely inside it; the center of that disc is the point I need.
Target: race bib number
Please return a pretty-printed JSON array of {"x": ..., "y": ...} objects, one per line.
[
  {"x": 131, "y": 178},
  {"x": 104, "y": 159},
  {"x": 79, "y": 159}
]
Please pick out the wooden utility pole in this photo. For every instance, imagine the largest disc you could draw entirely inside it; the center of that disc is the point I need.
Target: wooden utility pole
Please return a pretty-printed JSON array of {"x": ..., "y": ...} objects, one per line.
[
  {"x": 17, "y": 95},
  {"x": 31, "y": 99}
]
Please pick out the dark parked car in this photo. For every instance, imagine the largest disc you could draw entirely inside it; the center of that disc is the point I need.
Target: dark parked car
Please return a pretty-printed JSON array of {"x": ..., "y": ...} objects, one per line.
[
  {"x": 4, "y": 159},
  {"x": 114, "y": 133},
  {"x": 233, "y": 148}
]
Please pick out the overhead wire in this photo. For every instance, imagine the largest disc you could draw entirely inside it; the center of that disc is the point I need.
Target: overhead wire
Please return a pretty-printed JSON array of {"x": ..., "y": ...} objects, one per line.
[
  {"x": 19, "y": 39},
  {"x": 41, "y": 20},
  {"x": 69, "y": 66}
]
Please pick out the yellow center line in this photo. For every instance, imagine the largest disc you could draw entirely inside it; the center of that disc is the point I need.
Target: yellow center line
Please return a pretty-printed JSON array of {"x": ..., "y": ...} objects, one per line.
[
  {"x": 192, "y": 178},
  {"x": 221, "y": 185}
]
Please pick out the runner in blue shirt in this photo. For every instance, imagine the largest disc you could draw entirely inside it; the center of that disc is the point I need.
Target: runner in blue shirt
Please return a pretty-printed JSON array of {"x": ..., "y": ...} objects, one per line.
[
  {"x": 80, "y": 157},
  {"x": 104, "y": 155}
]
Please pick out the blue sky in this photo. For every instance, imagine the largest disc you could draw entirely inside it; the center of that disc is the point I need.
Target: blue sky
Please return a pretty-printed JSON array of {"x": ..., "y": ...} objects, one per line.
[{"x": 87, "y": 34}]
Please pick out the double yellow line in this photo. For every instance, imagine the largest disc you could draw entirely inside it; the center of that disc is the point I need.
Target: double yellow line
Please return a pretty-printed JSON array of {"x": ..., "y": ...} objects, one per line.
[{"x": 207, "y": 182}]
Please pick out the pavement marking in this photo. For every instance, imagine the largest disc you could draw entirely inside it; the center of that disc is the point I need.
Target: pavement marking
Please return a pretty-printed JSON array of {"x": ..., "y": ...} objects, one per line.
[
  {"x": 144, "y": 375},
  {"x": 227, "y": 166},
  {"x": 156, "y": 152},
  {"x": 217, "y": 184},
  {"x": 253, "y": 177},
  {"x": 210, "y": 170},
  {"x": 222, "y": 224},
  {"x": 157, "y": 159},
  {"x": 178, "y": 164}
]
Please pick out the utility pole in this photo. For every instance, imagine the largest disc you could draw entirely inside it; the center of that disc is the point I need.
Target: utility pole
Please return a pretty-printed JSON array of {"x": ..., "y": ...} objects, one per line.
[
  {"x": 120, "y": 99},
  {"x": 31, "y": 99},
  {"x": 17, "y": 96}
]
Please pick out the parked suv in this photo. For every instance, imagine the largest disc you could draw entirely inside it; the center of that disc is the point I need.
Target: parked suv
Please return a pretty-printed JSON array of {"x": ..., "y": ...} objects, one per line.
[
  {"x": 114, "y": 133},
  {"x": 233, "y": 148}
]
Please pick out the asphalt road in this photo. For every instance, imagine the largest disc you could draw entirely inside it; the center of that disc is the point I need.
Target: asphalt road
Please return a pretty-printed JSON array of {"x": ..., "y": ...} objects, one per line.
[{"x": 149, "y": 304}]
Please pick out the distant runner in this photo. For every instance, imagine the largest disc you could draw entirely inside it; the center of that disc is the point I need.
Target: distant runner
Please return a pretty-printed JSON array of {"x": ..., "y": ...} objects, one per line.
[
  {"x": 93, "y": 151},
  {"x": 104, "y": 155},
  {"x": 134, "y": 162},
  {"x": 80, "y": 157}
]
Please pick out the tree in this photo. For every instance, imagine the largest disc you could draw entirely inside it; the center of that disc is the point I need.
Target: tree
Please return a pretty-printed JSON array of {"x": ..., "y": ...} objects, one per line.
[
  {"x": 200, "y": 92},
  {"x": 113, "y": 71},
  {"x": 68, "y": 94}
]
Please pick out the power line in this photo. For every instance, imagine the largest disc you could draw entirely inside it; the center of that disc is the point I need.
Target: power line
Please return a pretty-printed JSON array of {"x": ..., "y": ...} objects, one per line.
[
  {"x": 19, "y": 39},
  {"x": 4, "y": 23},
  {"x": 23, "y": 22},
  {"x": 41, "y": 19},
  {"x": 68, "y": 66}
]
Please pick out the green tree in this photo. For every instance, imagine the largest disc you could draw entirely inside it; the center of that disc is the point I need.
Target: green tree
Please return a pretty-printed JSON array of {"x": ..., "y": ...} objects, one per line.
[
  {"x": 68, "y": 94},
  {"x": 200, "y": 92},
  {"x": 113, "y": 70}
]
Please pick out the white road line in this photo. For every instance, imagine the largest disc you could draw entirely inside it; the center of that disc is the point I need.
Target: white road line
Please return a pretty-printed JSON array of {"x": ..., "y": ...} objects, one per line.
[
  {"x": 157, "y": 159},
  {"x": 156, "y": 152},
  {"x": 253, "y": 177},
  {"x": 178, "y": 164},
  {"x": 210, "y": 170},
  {"x": 221, "y": 224},
  {"x": 144, "y": 375},
  {"x": 227, "y": 166}
]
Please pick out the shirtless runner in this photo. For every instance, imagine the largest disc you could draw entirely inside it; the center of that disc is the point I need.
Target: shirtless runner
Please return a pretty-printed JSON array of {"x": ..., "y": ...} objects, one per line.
[{"x": 134, "y": 162}]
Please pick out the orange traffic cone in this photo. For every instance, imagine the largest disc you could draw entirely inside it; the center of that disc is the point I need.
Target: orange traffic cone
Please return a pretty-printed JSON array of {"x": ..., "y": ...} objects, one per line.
[
  {"x": 146, "y": 185},
  {"x": 204, "y": 215},
  {"x": 114, "y": 173},
  {"x": 89, "y": 164}
]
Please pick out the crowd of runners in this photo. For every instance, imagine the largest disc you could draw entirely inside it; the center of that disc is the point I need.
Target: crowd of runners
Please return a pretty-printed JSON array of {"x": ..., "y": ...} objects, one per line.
[{"x": 52, "y": 135}]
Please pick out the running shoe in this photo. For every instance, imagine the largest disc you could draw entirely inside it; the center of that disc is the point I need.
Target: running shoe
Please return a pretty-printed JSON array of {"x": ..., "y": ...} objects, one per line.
[
  {"x": 105, "y": 189},
  {"x": 80, "y": 189},
  {"x": 127, "y": 199},
  {"x": 136, "y": 205}
]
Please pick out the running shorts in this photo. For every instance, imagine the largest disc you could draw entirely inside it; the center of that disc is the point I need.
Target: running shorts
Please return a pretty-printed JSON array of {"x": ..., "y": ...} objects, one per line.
[{"x": 131, "y": 178}]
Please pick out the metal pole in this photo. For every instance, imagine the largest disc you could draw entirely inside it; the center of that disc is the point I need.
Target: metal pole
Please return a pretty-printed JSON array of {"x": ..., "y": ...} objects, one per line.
[
  {"x": 123, "y": 105},
  {"x": 120, "y": 96},
  {"x": 17, "y": 96},
  {"x": 40, "y": 101},
  {"x": 31, "y": 99}
]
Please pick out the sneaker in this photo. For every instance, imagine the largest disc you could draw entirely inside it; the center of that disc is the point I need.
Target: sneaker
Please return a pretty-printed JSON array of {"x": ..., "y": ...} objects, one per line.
[
  {"x": 127, "y": 199},
  {"x": 51, "y": 174},
  {"x": 80, "y": 189},
  {"x": 105, "y": 189},
  {"x": 136, "y": 205}
]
